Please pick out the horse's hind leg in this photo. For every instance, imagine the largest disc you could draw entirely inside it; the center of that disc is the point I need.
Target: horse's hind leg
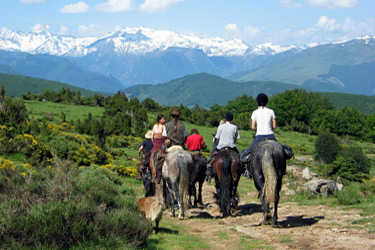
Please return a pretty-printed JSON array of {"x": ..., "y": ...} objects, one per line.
[
  {"x": 266, "y": 214},
  {"x": 277, "y": 198},
  {"x": 179, "y": 201},
  {"x": 170, "y": 193},
  {"x": 200, "y": 192}
]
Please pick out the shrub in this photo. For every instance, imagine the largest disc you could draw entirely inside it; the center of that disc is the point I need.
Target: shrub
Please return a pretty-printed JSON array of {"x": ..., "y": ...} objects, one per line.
[
  {"x": 368, "y": 187},
  {"x": 66, "y": 208},
  {"x": 326, "y": 147},
  {"x": 351, "y": 164},
  {"x": 349, "y": 196}
]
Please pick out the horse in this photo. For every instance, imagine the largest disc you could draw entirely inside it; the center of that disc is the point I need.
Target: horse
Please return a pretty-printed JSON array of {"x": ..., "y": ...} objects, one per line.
[
  {"x": 227, "y": 172},
  {"x": 198, "y": 175},
  {"x": 176, "y": 172},
  {"x": 267, "y": 166}
]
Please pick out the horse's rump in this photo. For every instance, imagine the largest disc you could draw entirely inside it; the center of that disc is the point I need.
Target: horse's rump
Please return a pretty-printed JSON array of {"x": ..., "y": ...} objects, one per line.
[
  {"x": 176, "y": 171},
  {"x": 227, "y": 174},
  {"x": 267, "y": 166}
]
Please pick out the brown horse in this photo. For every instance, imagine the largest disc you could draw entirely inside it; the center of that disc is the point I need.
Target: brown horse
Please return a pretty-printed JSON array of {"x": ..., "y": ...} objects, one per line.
[{"x": 227, "y": 171}]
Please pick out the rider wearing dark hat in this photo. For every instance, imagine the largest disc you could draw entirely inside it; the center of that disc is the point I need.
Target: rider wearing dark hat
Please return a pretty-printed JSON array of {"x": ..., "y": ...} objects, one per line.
[{"x": 175, "y": 132}]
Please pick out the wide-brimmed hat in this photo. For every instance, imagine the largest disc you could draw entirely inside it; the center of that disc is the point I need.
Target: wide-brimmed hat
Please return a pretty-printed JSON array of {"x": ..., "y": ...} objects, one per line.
[
  {"x": 176, "y": 112},
  {"x": 148, "y": 134}
]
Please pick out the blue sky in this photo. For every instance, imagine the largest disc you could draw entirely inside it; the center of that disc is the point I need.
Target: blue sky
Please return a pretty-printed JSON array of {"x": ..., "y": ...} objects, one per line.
[{"x": 282, "y": 22}]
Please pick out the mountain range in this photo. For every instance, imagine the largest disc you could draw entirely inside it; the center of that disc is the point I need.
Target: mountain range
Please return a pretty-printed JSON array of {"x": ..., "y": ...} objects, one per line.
[{"x": 135, "y": 56}]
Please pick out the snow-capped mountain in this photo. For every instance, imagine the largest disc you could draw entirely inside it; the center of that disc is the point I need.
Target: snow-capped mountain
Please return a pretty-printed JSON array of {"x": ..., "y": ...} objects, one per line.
[
  {"x": 131, "y": 56},
  {"x": 136, "y": 41}
]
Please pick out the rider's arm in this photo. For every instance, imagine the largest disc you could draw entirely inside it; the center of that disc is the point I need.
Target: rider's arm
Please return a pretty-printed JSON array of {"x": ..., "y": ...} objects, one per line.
[
  {"x": 273, "y": 123},
  {"x": 253, "y": 127}
]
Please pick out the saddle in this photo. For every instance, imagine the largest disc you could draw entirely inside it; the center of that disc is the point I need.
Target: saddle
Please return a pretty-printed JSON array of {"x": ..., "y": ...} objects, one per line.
[{"x": 222, "y": 150}]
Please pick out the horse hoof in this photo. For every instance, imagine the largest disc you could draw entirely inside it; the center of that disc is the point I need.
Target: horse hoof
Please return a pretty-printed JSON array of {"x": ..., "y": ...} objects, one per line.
[{"x": 180, "y": 217}]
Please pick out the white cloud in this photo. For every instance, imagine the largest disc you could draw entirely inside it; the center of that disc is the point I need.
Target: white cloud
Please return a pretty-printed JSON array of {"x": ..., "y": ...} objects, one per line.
[
  {"x": 251, "y": 31},
  {"x": 231, "y": 27},
  {"x": 93, "y": 30},
  {"x": 334, "y": 4},
  {"x": 33, "y": 1},
  {"x": 115, "y": 6},
  {"x": 63, "y": 29},
  {"x": 79, "y": 7},
  {"x": 327, "y": 24},
  {"x": 157, "y": 5},
  {"x": 289, "y": 4},
  {"x": 41, "y": 27}
]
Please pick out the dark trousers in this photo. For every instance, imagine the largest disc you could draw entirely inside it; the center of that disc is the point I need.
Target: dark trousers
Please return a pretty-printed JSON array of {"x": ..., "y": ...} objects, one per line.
[{"x": 257, "y": 139}]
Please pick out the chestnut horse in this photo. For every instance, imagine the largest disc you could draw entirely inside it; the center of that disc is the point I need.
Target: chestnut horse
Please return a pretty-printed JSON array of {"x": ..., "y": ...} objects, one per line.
[
  {"x": 267, "y": 166},
  {"x": 227, "y": 171}
]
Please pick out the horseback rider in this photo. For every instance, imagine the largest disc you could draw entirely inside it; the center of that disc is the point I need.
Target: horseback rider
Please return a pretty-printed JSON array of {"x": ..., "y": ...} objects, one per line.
[
  {"x": 175, "y": 132},
  {"x": 194, "y": 141},
  {"x": 263, "y": 121},
  {"x": 226, "y": 137},
  {"x": 146, "y": 146}
]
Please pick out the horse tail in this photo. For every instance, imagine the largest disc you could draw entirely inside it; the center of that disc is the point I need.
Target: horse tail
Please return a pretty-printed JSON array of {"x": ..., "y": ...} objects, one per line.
[
  {"x": 226, "y": 185},
  {"x": 183, "y": 161},
  {"x": 270, "y": 176}
]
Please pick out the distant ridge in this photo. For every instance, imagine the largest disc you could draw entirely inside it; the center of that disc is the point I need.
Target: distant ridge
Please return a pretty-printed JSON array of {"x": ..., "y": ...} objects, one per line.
[
  {"x": 16, "y": 85},
  {"x": 204, "y": 90}
]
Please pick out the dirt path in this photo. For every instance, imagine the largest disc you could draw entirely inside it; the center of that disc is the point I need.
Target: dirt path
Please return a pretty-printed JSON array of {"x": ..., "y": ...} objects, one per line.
[{"x": 301, "y": 227}]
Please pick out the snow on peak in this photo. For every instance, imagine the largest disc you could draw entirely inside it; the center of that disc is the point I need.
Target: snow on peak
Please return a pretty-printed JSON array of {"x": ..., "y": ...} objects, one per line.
[{"x": 140, "y": 40}]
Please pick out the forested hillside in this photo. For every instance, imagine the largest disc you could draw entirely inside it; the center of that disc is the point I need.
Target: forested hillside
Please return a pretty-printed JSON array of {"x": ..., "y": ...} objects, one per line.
[
  {"x": 16, "y": 85},
  {"x": 204, "y": 90}
]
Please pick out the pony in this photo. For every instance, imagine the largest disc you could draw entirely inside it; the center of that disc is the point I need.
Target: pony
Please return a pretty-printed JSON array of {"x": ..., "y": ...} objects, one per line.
[
  {"x": 267, "y": 166},
  {"x": 198, "y": 175},
  {"x": 176, "y": 172},
  {"x": 227, "y": 172}
]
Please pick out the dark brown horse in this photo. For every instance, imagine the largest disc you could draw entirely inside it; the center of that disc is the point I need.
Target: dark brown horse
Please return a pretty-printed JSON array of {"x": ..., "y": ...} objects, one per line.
[
  {"x": 267, "y": 166},
  {"x": 227, "y": 173},
  {"x": 198, "y": 175}
]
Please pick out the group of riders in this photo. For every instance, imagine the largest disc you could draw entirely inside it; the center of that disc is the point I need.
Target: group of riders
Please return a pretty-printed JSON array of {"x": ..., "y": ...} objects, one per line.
[{"x": 173, "y": 133}]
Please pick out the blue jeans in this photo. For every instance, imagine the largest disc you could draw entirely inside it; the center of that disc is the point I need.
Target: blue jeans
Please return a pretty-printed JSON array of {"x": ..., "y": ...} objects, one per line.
[{"x": 257, "y": 139}]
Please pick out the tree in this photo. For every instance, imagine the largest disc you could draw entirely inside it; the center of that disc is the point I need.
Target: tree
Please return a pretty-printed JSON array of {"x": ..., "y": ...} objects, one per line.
[{"x": 298, "y": 105}]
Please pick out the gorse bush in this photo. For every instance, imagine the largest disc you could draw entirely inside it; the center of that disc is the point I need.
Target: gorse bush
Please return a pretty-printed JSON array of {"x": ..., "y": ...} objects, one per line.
[{"x": 69, "y": 207}]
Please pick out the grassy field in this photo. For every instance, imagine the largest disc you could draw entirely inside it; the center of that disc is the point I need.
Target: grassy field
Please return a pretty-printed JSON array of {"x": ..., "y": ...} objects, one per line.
[{"x": 54, "y": 110}]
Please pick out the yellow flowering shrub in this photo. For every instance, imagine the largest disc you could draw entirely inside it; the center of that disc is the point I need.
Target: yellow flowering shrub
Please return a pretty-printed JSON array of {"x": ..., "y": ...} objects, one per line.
[
  {"x": 6, "y": 164},
  {"x": 130, "y": 171}
]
